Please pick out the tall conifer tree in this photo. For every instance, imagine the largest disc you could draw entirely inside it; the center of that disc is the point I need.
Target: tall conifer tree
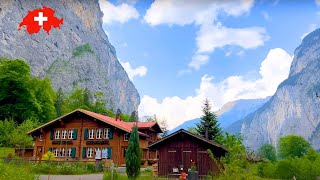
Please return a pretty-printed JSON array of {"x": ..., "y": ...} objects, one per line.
[
  {"x": 133, "y": 155},
  {"x": 208, "y": 118}
]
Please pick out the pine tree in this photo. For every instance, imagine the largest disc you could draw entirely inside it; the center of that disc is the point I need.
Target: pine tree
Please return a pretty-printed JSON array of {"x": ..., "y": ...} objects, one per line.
[
  {"x": 133, "y": 155},
  {"x": 134, "y": 117},
  {"x": 209, "y": 118}
]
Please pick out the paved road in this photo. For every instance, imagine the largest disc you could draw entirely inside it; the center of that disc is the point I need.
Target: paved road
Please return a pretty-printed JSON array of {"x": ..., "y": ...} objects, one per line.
[{"x": 72, "y": 177}]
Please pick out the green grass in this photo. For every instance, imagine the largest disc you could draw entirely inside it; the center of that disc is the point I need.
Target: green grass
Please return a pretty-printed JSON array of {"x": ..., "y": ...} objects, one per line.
[
  {"x": 4, "y": 151},
  {"x": 80, "y": 50},
  {"x": 14, "y": 172}
]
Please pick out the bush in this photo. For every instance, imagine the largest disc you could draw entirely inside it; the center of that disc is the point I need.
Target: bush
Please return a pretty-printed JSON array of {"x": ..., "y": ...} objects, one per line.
[{"x": 49, "y": 156}]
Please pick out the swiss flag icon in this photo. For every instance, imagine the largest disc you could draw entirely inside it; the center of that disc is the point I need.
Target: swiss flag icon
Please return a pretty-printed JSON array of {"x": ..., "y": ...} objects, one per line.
[{"x": 40, "y": 18}]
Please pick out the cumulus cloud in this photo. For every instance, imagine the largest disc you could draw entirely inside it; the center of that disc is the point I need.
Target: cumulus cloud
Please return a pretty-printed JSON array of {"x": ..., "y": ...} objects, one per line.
[
  {"x": 198, "y": 60},
  {"x": 133, "y": 72},
  {"x": 121, "y": 13},
  {"x": 212, "y": 34},
  {"x": 273, "y": 70}
]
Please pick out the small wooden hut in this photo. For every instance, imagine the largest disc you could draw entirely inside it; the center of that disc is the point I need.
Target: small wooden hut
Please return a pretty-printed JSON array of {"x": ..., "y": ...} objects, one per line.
[{"x": 179, "y": 150}]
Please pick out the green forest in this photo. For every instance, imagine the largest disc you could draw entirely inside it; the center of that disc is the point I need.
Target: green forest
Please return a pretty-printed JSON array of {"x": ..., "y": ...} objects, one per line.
[{"x": 27, "y": 102}]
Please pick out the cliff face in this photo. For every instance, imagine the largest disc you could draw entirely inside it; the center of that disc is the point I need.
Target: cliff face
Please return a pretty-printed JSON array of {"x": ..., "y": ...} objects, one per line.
[
  {"x": 79, "y": 54},
  {"x": 295, "y": 107}
]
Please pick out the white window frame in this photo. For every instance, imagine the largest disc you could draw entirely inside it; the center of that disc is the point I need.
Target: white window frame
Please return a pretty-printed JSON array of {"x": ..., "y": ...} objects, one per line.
[
  {"x": 40, "y": 137},
  {"x": 90, "y": 152},
  {"x": 64, "y": 134},
  {"x": 70, "y": 134},
  {"x": 57, "y": 134},
  {"x": 99, "y": 133},
  {"x": 69, "y": 152},
  {"x": 106, "y": 133},
  {"x": 56, "y": 152},
  {"x": 126, "y": 137},
  {"x": 91, "y": 133},
  {"x": 62, "y": 152}
]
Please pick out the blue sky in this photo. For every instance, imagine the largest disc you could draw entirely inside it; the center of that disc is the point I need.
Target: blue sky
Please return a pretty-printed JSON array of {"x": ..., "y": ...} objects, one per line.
[{"x": 178, "y": 54}]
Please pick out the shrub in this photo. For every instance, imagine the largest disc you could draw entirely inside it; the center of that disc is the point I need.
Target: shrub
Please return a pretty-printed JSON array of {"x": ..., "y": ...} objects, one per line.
[{"x": 49, "y": 156}]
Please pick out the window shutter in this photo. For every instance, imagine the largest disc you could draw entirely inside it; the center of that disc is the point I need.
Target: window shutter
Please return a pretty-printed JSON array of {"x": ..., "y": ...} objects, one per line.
[
  {"x": 50, "y": 149},
  {"x": 75, "y": 131},
  {"x": 86, "y": 133},
  {"x": 51, "y": 134},
  {"x": 84, "y": 153},
  {"x": 111, "y": 133},
  {"x": 73, "y": 152},
  {"x": 109, "y": 152}
]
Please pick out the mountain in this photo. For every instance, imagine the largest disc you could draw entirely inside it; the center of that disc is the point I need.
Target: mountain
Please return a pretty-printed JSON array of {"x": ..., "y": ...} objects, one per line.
[
  {"x": 294, "y": 108},
  {"x": 229, "y": 113},
  {"x": 78, "y": 54}
]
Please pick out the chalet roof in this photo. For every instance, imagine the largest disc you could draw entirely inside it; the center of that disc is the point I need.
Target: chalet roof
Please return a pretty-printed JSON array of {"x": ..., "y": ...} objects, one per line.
[
  {"x": 125, "y": 126},
  {"x": 162, "y": 140},
  {"x": 146, "y": 125}
]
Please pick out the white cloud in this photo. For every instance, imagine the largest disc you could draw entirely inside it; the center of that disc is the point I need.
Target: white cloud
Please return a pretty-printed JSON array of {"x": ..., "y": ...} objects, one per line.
[
  {"x": 198, "y": 60},
  {"x": 317, "y": 2},
  {"x": 241, "y": 53},
  {"x": 211, "y": 37},
  {"x": 311, "y": 28},
  {"x": 212, "y": 34},
  {"x": 121, "y": 13},
  {"x": 273, "y": 70},
  {"x": 133, "y": 72},
  {"x": 199, "y": 12}
]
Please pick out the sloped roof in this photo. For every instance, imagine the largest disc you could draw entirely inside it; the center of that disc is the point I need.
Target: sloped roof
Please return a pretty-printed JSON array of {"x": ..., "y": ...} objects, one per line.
[
  {"x": 127, "y": 127},
  {"x": 145, "y": 125},
  {"x": 162, "y": 140}
]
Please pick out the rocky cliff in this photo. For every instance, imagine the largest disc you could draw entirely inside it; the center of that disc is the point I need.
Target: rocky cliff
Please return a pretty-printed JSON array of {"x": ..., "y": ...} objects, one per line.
[
  {"x": 79, "y": 54},
  {"x": 295, "y": 107}
]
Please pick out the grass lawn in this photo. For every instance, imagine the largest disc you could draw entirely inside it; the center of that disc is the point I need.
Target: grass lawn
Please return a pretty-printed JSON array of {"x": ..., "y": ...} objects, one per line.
[{"x": 4, "y": 151}]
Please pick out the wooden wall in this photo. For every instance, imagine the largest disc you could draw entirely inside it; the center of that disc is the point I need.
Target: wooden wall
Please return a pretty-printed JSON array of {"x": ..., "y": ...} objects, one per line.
[
  {"x": 81, "y": 122},
  {"x": 180, "y": 151}
]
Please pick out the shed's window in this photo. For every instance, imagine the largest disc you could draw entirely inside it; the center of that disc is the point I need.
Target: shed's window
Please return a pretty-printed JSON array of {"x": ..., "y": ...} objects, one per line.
[{"x": 126, "y": 137}]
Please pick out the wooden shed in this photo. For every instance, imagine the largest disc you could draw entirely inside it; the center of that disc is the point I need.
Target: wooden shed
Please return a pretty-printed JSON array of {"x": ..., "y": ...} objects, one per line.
[{"x": 177, "y": 150}]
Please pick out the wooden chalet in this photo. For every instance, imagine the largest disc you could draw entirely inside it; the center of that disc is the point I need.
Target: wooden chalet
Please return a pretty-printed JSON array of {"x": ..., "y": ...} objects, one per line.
[
  {"x": 87, "y": 136},
  {"x": 178, "y": 150}
]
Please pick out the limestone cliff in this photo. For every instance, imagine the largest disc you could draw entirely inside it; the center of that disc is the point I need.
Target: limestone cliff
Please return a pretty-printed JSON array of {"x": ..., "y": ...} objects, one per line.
[
  {"x": 295, "y": 107},
  {"x": 79, "y": 54}
]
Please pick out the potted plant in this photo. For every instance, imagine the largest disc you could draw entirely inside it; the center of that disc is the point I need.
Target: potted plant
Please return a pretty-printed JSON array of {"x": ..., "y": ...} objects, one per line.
[{"x": 193, "y": 173}]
